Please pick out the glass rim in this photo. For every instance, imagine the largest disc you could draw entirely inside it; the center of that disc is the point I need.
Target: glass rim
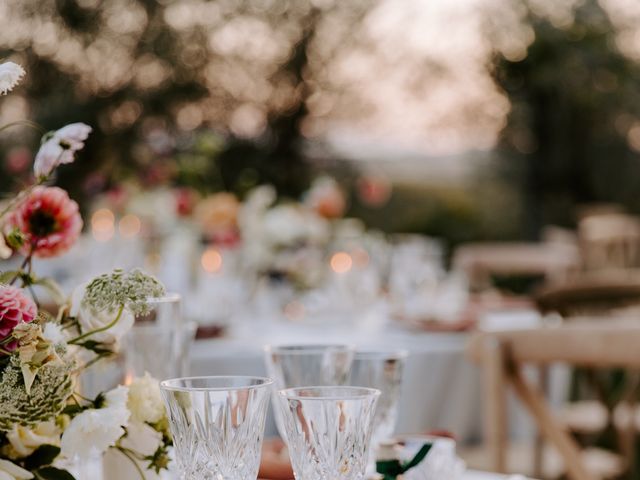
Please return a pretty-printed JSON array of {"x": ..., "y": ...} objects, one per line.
[
  {"x": 302, "y": 349},
  {"x": 262, "y": 382},
  {"x": 152, "y": 327},
  {"x": 168, "y": 297},
  {"x": 365, "y": 392},
  {"x": 373, "y": 353}
]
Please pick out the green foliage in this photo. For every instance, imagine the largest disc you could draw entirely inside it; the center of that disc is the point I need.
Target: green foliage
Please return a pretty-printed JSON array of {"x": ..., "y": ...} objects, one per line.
[
  {"x": 574, "y": 98},
  {"x": 42, "y": 456},
  {"x": 52, "y": 473}
]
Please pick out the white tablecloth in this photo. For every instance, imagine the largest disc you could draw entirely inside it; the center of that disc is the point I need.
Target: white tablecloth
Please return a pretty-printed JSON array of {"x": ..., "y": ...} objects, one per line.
[
  {"x": 438, "y": 386},
  {"x": 441, "y": 389}
]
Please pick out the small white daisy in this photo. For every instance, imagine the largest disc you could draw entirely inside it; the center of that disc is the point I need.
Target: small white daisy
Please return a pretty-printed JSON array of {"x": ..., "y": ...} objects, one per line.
[{"x": 10, "y": 75}]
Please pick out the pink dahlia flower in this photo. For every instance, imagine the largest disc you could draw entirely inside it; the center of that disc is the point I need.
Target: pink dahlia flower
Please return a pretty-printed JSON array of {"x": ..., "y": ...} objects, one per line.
[
  {"x": 15, "y": 308},
  {"x": 50, "y": 221}
]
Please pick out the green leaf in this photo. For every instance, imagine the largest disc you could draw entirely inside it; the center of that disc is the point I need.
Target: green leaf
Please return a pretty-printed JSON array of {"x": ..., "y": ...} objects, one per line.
[
  {"x": 43, "y": 455},
  {"x": 52, "y": 473},
  {"x": 6, "y": 277},
  {"x": 72, "y": 410},
  {"x": 50, "y": 285}
]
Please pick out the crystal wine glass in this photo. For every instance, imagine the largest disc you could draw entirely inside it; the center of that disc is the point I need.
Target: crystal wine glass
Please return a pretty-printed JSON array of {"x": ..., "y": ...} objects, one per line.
[
  {"x": 307, "y": 365},
  {"x": 382, "y": 370},
  {"x": 328, "y": 429},
  {"x": 217, "y": 425}
]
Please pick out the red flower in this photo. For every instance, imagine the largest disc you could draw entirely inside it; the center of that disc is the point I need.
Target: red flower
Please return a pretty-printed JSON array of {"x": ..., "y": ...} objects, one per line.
[
  {"x": 15, "y": 308},
  {"x": 50, "y": 221}
]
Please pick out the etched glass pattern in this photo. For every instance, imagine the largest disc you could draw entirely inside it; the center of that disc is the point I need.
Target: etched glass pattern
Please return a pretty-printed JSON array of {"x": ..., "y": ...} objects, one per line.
[
  {"x": 382, "y": 370},
  {"x": 307, "y": 365},
  {"x": 328, "y": 429},
  {"x": 217, "y": 425}
]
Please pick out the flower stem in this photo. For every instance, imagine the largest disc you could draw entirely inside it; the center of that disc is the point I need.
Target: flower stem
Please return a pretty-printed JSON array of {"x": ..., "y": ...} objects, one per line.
[
  {"x": 20, "y": 269},
  {"x": 133, "y": 460},
  {"x": 98, "y": 330}
]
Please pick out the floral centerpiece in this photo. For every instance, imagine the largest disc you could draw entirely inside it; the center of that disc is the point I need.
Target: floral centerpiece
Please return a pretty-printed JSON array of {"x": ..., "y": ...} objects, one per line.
[
  {"x": 47, "y": 427},
  {"x": 288, "y": 241}
]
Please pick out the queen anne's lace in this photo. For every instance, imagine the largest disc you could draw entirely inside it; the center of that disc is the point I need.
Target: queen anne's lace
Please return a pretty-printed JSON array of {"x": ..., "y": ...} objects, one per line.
[
  {"x": 49, "y": 393},
  {"x": 132, "y": 289}
]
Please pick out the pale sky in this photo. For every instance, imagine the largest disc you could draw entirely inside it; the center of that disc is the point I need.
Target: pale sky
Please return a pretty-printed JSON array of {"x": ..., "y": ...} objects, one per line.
[{"x": 421, "y": 66}]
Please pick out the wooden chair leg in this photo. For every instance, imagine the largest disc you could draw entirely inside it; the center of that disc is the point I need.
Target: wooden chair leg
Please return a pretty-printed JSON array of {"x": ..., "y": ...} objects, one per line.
[
  {"x": 543, "y": 416},
  {"x": 495, "y": 404},
  {"x": 538, "y": 448}
]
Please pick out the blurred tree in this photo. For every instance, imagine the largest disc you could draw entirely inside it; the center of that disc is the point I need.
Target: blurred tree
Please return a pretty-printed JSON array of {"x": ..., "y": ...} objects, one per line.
[
  {"x": 144, "y": 72},
  {"x": 574, "y": 117}
]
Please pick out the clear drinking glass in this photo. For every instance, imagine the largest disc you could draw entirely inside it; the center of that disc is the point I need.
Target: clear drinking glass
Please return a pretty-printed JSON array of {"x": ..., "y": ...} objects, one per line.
[
  {"x": 143, "y": 345},
  {"x": 329, "y": 430},
  {"x": 159, "y": 341},
  {"x": 217, "y": 425},
  {"x": 382, "y": 370},
  {"x": 165, "y": 311},
  {"x": 306, "y": 365}
]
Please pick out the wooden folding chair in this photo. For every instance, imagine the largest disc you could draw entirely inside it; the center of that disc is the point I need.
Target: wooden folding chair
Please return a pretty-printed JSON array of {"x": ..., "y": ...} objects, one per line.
[{"x": 598, "y": 345}]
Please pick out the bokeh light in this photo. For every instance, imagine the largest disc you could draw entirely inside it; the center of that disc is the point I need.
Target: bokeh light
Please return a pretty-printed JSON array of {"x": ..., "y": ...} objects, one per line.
[
  {"x": 211, "y": 260},
  {"x": 103, "y": 225},
  {"x": 341, "y": 262},
  {"x": 129, "y": 226}
]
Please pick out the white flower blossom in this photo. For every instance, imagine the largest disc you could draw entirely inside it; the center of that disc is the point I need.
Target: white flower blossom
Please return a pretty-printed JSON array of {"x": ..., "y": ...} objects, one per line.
[
  {"x": 145, "y": 400},
  {"x": 96, "y": 430},
  {"x": 10, "y": 75},
  {"x": 288, "y": 225},
  {"x": 60, "y": 148},
  {"x": 52, "y": 332},
  {"x": 24, "y": 440},
  {"x": 90, "y": 319},
  {"x": 10, "y": 471}
]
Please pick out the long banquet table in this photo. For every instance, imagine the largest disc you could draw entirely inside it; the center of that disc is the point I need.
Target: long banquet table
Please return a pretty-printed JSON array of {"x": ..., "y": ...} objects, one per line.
[{"x": 441, "y": 391}]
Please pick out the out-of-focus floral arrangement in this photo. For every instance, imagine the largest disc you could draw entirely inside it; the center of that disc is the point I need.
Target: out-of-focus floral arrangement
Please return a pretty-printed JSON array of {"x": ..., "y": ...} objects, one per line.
[
  {"x": 47, "y": 427},
  {"x": 286, "y": 239},
  {"x": 283, "y": 240}
]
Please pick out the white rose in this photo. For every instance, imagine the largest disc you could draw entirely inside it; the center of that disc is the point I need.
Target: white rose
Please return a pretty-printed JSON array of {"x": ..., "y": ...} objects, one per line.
[
  {"x": 10, "y": 75},
  {"x": 90, "y": 320},
  {"x": 145, "y": 400},
  {"x": 142, "y": 439},
  {"x": 24, "y": 441},
  {"x": 60, "y": 148},
  {"x": 10, "y": 471},
  {"x": 96, "y": 430}
]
